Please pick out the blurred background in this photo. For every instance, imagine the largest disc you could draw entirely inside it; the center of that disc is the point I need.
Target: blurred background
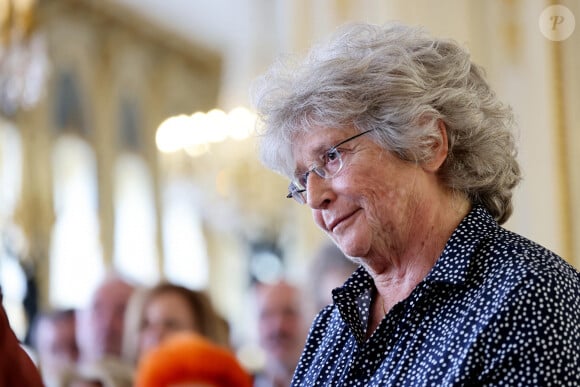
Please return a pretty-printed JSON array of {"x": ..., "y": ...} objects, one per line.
[{"x": 126, "y": 136}]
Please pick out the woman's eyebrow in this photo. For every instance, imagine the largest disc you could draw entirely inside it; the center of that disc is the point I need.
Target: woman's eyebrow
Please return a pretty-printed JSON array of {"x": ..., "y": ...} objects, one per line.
[
  {"x": 317, "y": 151},
  {"x": 315, "y": 154}
]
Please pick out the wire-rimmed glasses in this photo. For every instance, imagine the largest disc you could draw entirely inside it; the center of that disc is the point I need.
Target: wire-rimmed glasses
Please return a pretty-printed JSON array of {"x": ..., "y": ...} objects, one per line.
[{"x": 331, "y": 166}]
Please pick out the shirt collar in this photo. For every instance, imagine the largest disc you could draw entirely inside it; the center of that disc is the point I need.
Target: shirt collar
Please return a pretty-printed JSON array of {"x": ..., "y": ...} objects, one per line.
[{"x": 353, "y": 300}]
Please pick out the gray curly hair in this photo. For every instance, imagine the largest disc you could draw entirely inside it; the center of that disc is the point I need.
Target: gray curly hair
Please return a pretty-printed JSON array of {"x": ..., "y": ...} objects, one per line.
[{"x": 400, "y": 81}]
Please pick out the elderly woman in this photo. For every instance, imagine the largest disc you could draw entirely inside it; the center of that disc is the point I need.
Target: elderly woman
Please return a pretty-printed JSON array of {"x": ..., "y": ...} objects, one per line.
[{"x": 406, "y": 158}]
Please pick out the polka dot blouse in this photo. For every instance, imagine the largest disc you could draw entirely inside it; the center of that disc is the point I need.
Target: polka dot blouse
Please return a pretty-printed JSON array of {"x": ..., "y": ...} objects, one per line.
[{"x": 496, "y": 309}]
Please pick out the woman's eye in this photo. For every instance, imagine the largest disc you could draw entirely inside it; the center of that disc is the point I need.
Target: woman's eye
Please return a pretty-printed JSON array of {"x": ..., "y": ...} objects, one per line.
[{"x": 332, "y": 155}]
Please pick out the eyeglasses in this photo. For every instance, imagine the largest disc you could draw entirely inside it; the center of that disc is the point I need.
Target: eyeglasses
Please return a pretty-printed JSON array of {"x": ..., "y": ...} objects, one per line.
[{"x": 331, "y": 166}]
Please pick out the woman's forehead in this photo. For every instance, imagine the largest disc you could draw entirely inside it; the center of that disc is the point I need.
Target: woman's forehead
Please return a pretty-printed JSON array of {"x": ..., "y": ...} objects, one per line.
[{"x": 316, "y": 141}]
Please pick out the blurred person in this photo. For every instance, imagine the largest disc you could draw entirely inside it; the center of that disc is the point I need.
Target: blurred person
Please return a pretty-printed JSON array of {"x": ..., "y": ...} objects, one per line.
[
  {"x": 105, "y": 372},
  {"x": 16, "y": 367},
  {"x": 187, "y": 359},
  {"x": 282, "y": 328},
  {"x": 165, "y": 309},
  {"x": 100, "y": 324},
  {"x": 330, "y": 269},
  {"x": 407, "y": 160},
  {"x": 53, "y": 338}
]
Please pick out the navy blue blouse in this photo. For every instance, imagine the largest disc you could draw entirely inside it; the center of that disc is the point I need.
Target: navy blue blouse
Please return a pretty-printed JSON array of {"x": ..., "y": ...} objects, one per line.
[{"x": 496, "y": 309}]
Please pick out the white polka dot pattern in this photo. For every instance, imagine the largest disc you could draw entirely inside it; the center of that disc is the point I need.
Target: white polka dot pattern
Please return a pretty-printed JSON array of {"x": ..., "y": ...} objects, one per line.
[{"x": 497, "y": 309}]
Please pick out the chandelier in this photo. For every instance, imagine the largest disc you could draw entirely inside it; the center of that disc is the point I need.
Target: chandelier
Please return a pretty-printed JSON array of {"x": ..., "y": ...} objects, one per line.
[{"x": 23, "y": 58}]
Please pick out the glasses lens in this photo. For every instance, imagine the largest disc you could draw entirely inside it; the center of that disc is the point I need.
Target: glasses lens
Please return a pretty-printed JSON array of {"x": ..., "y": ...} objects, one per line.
[
  {"x": 302, "y": 180},
  {"x": 332, "y": 164}
]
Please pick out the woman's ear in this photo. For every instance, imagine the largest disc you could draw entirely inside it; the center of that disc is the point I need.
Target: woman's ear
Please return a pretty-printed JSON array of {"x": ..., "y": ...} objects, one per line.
[{"x": 440, "y": 149}]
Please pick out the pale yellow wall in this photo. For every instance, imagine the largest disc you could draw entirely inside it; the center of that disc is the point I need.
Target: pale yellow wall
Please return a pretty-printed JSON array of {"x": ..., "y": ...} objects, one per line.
[{"x": 570, "y": 62}]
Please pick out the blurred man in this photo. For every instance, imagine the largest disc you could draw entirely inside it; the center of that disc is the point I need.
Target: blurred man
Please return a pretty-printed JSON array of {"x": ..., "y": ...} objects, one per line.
[
  {"x": 282, "y": 329},
  {"x": 54, "y": 340},
  {"x": 100, "y": 325}
]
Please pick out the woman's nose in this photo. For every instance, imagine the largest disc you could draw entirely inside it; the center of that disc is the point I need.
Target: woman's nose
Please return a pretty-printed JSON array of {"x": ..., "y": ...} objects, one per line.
[{"x": 318, "y": 191}]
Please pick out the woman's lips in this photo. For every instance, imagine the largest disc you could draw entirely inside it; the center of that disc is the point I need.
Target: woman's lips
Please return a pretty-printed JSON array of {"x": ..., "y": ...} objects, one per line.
[{"x": 337, "y": 221}]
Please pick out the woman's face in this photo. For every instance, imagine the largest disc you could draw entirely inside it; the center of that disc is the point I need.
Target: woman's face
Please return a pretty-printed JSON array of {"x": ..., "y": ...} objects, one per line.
[
  {"x": 165, "y": 314},
  {"x": 372, "y": 206}
]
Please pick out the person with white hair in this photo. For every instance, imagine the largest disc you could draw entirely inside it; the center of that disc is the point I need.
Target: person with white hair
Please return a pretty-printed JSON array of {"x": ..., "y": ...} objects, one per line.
[
  {"x": 100, "y": 324},
  {"x": 407, "y": 160},
  {"x": 282, "y": 324}
]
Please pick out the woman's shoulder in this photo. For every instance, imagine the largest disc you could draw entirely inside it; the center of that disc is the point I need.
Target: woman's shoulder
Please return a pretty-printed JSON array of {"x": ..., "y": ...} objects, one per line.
[
  {"x": 520, "y": 265},
  {"x": 530, "y": 256}
]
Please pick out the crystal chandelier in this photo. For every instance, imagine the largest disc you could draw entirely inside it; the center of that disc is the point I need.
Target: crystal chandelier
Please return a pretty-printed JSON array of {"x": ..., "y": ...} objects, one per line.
[{"x": 23, "y": 58}]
